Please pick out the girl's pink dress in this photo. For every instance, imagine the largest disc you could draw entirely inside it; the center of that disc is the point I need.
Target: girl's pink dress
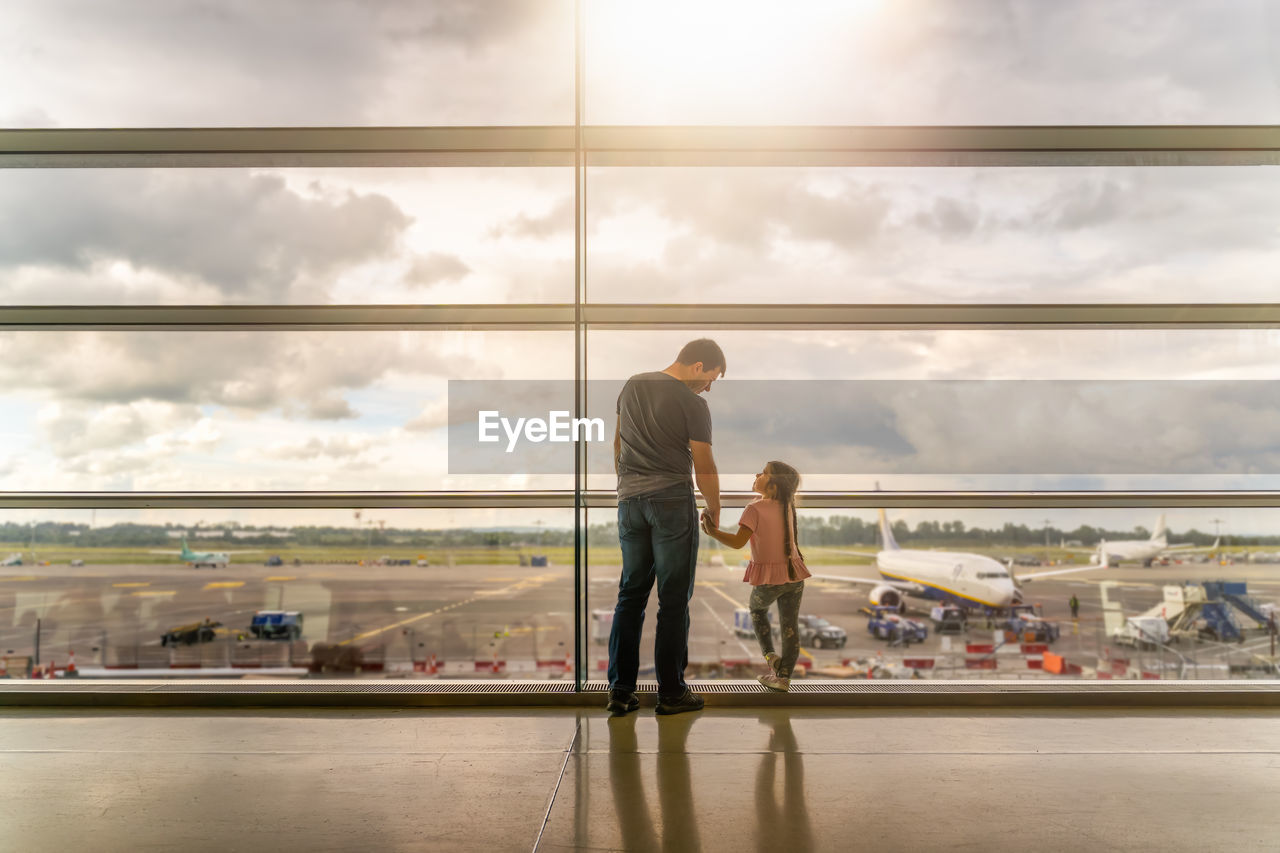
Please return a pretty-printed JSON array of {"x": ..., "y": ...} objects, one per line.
[{"x": 768, "y": 564}]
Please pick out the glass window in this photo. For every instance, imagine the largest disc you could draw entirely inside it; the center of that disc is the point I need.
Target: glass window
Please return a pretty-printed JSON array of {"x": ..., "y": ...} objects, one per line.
[
  {"x": 251, "y": 411},
  {"x": 1155, "y": 611},
  {"x": 378, "y": 593},
  {"x": 931, "y": 62},
  {"x": 934, "y": 235},
  {"x": 80, "y": 63},
  {"x": 285, "y": 236},
  {"x": 976, "y": 410}
]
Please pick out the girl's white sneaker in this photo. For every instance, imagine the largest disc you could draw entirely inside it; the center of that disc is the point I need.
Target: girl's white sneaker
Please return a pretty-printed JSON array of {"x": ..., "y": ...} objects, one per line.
[{"x": 773, "y": 682}]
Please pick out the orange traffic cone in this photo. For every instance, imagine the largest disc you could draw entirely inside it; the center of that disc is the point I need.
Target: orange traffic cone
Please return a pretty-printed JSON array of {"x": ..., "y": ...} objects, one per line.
[
  {"x": 71, "y": 671},
  {"x": 568, "y": 661},
  {"x": 432, "y": 667}
]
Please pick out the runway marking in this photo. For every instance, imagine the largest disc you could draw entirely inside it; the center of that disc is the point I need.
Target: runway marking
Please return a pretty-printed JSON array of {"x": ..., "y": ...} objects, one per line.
[
  {"x": 132, "y": 584},
  {"x": 152, "y": 593},
  {"x": 21, "y": 578},
  {"x": 403, "y": 622},
  {"x": 280, "y": 578},
  {"x": 501, "y": 580},
  {"x": 746, "y": 651},
  {"x": 720, "y": 593},
  {"x": 222, "y": 585}
]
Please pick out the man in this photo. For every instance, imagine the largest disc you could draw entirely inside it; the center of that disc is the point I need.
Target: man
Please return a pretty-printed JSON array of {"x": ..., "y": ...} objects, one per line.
[
  {"x": 1074, "y": 604},
  {"x": 663, "y": 429}
]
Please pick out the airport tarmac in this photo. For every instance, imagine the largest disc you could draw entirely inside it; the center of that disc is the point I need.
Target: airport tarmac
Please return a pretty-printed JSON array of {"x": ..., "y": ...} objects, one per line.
[{"x": 114, "y": 616}]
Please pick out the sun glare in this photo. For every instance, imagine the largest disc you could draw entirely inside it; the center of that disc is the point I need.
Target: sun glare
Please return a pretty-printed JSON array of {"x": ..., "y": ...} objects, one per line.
[{"x": 718, "y": 56}]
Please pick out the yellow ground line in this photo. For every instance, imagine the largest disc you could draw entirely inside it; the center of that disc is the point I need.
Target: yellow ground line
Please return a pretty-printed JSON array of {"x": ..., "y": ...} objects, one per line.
[
  {"x": 720, "y": 593},
  {"x": 403, "y": 622},
  {"x": 281, "y": 578},
  {"x": 223, "y": 585},
  {"x": 127, "y": 585},
  {"x": 150, "y": 593},
  {"x": 22, "y": 578},
  {"x": 501, "y": 580}
]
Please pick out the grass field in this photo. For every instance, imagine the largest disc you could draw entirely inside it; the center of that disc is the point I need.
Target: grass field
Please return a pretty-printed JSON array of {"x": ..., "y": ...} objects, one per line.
[{"x": 497, "y": 555}]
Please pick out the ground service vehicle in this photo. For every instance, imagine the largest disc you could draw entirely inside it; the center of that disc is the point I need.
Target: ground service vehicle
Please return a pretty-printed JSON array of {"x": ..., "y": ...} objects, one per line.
[
  {"x": 742, "y": 626},
  {"x": 189, "y": 635},
  {"x": 821, "y": 634},
  {"x": 949, "y": 619},
  {"x": 1025, "y": 624},
  {"x": 886, "y": 624},
  {"x": 276, "y": 625}
]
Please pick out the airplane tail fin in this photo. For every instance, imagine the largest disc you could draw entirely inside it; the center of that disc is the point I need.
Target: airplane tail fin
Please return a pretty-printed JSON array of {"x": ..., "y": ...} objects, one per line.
[
  {"x": 1160, "y": 530},
  {"x": 888, "y": 543}
]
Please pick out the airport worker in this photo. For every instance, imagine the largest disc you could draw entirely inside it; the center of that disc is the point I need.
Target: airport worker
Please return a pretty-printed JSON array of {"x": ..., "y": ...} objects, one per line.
[
  {"x": 776, "y": 570},
  {"x": 663, "y": 430},
  {"x": 1074, "y": 604}
]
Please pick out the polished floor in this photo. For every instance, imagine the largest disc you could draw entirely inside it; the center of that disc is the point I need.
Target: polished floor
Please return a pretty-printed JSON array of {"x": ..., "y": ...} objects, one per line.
[{"x": 569, "y": 779}]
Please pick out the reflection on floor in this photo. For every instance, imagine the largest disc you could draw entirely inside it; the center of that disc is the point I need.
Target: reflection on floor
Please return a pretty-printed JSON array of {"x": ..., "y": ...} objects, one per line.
[{"x": 565, "y": 779}]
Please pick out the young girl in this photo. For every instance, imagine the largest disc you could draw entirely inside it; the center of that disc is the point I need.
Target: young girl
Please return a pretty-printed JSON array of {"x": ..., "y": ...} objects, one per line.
[{"x": 776, "y": 570}]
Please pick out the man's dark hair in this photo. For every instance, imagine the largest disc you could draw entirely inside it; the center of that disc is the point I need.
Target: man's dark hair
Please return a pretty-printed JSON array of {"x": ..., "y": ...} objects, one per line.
[{"x": 703, "y": 350}]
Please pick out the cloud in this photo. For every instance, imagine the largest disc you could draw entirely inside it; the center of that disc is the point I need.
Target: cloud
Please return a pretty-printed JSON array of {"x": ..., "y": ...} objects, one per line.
[
  {"x": 436, "y": 267},
  {"x": 248, "y": 235},
  {"x": 242, "y": 63},
  {"x": 337, "y": 447},
  {"x": 555, "y": 222}
]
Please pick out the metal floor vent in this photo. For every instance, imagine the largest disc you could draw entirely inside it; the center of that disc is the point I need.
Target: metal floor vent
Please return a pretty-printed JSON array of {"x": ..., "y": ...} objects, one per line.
[{"x": 301, "y": 693}]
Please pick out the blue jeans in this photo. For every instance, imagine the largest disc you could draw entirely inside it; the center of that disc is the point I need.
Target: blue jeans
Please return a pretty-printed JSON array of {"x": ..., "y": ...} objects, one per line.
[{"x": 659, "y": 537}]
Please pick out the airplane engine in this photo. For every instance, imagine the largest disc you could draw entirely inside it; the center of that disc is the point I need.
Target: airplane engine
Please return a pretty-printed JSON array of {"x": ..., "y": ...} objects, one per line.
[{"x": 888, "y": 596}]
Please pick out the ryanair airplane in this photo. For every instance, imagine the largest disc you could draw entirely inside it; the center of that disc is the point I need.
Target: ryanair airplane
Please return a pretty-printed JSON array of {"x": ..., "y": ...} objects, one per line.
[{"x": 951, "y": 577}]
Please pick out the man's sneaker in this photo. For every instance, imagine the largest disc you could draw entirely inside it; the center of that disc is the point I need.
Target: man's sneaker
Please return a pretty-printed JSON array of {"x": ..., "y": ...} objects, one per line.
[
  {"x": 622, "y": 702},
  {"x": 687, "y": 701},
  {"x": 775, "y": 682},
  {"x": 773, "y": 659}
]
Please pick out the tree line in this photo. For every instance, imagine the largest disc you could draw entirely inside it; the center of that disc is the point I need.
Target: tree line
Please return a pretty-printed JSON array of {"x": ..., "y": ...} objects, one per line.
[{"x": 818, "y": 531}]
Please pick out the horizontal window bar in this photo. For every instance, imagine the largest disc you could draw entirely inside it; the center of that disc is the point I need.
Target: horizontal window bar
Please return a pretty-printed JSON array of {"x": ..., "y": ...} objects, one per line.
[
  {"x": 536, "y": 317},
  {"x": 934, "y": 146},
  {"x": 560, "y": 316},
  {"x": 938, "y": 316},
  {"x": 646, "y": 145},
  {"x": 605, "y": 499}
]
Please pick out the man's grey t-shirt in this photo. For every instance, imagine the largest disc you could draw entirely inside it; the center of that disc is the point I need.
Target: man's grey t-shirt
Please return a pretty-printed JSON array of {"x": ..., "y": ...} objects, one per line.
[{"x": 657, "y": 418}]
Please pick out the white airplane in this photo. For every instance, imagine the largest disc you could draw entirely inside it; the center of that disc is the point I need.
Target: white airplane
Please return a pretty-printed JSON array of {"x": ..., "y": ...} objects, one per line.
[
  {"x": 14, "y": 559},
  {"x": 969, "y": 580},
  {"x": 212, "y": 559},
  {"x": 1143, "y": 551}
]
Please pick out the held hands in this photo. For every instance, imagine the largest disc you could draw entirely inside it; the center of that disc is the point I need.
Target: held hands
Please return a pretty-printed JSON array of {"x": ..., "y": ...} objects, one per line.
[{"x": 708, "y": 523}]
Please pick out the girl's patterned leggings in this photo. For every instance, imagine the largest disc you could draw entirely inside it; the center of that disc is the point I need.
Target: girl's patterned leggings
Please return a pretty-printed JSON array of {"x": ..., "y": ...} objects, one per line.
[{"x": 788, "y": 597}]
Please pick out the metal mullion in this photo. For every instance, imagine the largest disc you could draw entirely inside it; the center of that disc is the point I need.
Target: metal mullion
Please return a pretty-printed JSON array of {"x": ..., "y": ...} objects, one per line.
[
  {"x": 935, "y": 316},
  {"x": 289, "y": 317}
]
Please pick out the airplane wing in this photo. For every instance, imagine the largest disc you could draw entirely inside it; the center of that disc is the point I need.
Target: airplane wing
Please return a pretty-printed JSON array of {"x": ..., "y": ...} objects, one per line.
[
  {"x": 1092, "y": 550},
  {"x": 909, "y": 588},
  {"x": 1105, "y": 564}
]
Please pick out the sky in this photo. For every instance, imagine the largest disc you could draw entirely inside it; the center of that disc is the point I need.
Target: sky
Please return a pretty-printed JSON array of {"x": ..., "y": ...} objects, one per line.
[{"x": 86, "y": 411}]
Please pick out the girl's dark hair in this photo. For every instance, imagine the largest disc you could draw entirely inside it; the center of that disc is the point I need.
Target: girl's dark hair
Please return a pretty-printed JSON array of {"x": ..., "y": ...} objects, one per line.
[{"x": 786, "y": 481}]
